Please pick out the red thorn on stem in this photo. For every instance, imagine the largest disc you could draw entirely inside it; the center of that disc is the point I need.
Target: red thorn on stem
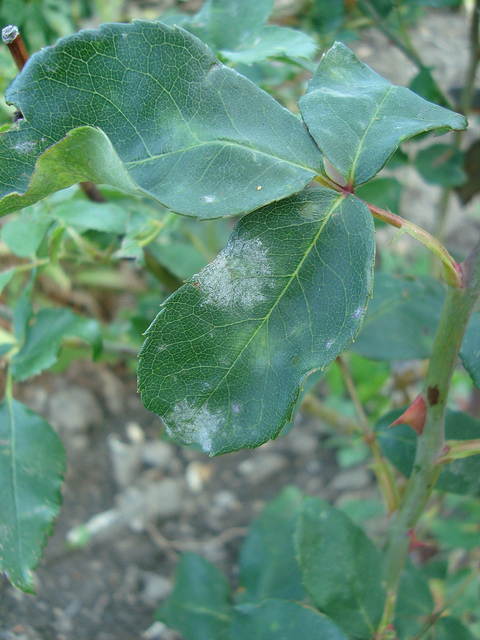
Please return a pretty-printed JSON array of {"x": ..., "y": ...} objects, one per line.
[
  {"x": 414, "y": 415},
  {"x": 415, "y": 542}
]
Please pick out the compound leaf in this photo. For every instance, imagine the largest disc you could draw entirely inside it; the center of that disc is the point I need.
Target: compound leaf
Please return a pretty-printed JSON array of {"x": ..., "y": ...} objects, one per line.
[
  {"x": 226, "y": 357},
  {"x": 358, "y": 118},
  {"x": 171, "y": 122},
  {"x": 277, "y": 619},
  {"x": 341, "y": 568},
  {"x": 32, "y": 464}
]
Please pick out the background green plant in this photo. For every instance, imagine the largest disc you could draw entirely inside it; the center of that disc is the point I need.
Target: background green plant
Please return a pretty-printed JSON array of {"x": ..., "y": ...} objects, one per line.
[{"x": 68, "y": 239}]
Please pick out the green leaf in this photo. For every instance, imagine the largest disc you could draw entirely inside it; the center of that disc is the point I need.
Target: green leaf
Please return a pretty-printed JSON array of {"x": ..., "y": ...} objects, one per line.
[
  {"x": 229, "y": 23},
  {"x": 273, "y": 42},
  {"x": 470, "y": 349},
  {"x": 327, "y": 15},
  {"x": 441, "y": 164},
  {"x": 358, "y": 118},
  {"x": 398, "y": 444},
  {"x": 341, "y": 568},
  {"x": 401, "y": 320},
  {"x": 224, "y": 361},
  {"x": 84, "y": 215},
  {"x": 277, "y": 619},
  {"x": 414, "y": 603},
  {"x": 5, "y": 277},
  {"x": 199, "y": 606},
  {"x": 43, "y": 338},
  {"x": 180, "y": 258},
  {"x": 425, "y": 86},
  {"x": 449, "y": 628},
  {"x": 24, "y": 235},
  {"x": 32, "y": 464},
  {"x": 169, "y": 121},
  {"x": 383, "y": 192},
  {"x": 267, "y": 563}
]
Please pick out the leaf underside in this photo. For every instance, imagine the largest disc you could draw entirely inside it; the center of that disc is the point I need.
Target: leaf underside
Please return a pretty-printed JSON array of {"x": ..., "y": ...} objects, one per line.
[
  {"x": 226, "y": 357},
  {"x": 178, "y": 125}
]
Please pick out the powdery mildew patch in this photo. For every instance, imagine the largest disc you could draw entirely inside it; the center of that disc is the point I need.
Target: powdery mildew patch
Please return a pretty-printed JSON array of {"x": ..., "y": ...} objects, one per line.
[
  {"x": 238, "y": 276},
  {"x": 194, "y": 425}
]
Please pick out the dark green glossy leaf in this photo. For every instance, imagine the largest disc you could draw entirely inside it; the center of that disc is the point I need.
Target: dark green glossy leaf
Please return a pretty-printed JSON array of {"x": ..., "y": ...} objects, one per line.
[
  {"x": 383, "y": 192},
  {"x": 341, "y": 568},
  {"x": 199, "y": 606},
  {"x": 224, "y": 361},
  {"x": 32, "y": 464},
  {"x": 401, "y": 320},
  {"x": 43, "y": 338},
  {"x": 414, "y": 603},
  {"x": 277, "y": 619},
  {"x": 450, "y": 628},
  {"x": 470, "y": 350},
  {"x": 170, "y": 122},
  {"x": 441, "y": 164},
  {"x": 399, "y": 445},
  {"x": 273, "y": 42},
  {"x": 267, "y": 563},
  {"x": 358, "y": 119}
]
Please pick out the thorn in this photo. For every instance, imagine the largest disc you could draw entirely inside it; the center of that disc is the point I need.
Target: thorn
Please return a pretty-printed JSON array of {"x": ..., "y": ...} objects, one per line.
[{"x": 414, "y": 415}]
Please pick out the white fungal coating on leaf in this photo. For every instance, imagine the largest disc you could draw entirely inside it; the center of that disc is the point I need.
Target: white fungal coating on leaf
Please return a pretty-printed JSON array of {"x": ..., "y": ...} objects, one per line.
[
  {"x": 194, "y": 425},
  {"x": 238, "y": 276}
]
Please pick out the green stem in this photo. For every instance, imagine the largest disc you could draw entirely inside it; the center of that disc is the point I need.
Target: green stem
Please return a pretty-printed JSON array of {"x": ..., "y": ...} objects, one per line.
[
  {"x": 459, "y": 304},
  {"x": 312, "y": 405},
  {"x": 452, "y": 274},
  {"x": 380, "y": 466}
]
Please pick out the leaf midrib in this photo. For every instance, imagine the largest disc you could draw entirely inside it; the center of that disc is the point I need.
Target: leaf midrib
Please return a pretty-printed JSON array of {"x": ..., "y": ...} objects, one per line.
[
  {"x": 220, "y": 141},
  {"x": 365, "y": 133}
]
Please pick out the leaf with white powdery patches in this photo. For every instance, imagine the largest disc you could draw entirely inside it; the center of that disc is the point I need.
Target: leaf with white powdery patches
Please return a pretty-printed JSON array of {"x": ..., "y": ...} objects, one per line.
[
  {"x": 149, "y": 109},
  {"x": 225, "y": 359}
]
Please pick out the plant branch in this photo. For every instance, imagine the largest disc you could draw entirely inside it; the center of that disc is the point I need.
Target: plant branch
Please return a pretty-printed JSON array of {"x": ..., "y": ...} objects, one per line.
[
  {"x": 406, "y": 48},
  {"x": 12, "y": 38},
  {"x": 381, "y": 467},
  {"x": 458, "y": 307}
]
